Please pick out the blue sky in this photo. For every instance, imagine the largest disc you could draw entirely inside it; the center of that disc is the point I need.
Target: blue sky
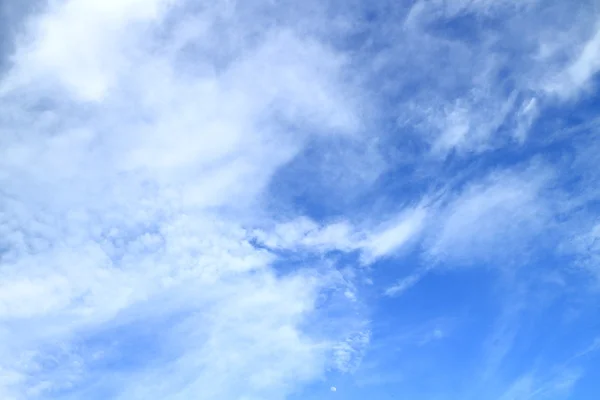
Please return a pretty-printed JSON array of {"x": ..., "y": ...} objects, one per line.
[{"x": 299, "y": 200}]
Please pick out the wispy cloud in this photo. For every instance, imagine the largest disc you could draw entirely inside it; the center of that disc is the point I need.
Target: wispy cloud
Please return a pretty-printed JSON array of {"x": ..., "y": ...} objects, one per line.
[
  {"x": 576, "y": 76},
  {"x": 526, "y": 387},
  {"x": 403, "y": 284},
  {"x": 373, "y": 242},
  {"x": 133, "y": 168},
  {"x": 492, "y": 221},
  {"x": 395, "y": 234},
  {"x": 217, "y": 200}
]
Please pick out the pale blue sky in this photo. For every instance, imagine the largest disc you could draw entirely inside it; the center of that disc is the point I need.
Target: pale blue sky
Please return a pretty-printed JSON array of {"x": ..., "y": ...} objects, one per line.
[{"x": 301, "y": 200}]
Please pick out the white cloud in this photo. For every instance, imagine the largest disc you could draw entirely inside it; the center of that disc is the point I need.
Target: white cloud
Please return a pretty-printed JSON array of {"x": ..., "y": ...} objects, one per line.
[
  {"x": 349, "y": 353},
  {"x": 471, "y": 102},
  {"x": 304, "y": 233},
  {"x": 520, "y": 389},
  {"x": 432, "y": 336},
  {"x": 450, "y": 8},
  {"x": 82, "y": 44},
  {"x": 234, "y": 348},
  {"x": 467, "y": 127},
  {"x": 138, "y": 145},
  {"x": 530, "y": 386},
  {"x": 403, "y": 285},
  {"x": 576, "y": 77},
  {"x": 585, "y": 245},
  {"x": 132, "y": 173},
  {"x": 493, "y": 221},
  {"x": 394, "y": 234},
  {"x": 527, "y": 114},
  {"x": 381, "y": 240}
]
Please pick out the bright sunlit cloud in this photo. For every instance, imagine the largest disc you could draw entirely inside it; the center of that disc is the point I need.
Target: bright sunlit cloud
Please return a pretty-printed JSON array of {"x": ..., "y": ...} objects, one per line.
[{"x": 251, "y": 200}]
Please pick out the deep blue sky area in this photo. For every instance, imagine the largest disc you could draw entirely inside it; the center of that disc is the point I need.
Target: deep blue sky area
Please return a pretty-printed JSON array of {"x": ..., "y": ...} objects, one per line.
[{"x": 299, "y": 200}]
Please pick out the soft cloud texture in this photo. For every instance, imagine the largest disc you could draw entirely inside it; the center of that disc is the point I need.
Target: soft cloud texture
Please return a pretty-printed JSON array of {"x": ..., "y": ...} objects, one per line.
[
  {"x": 255, "y": 200},
  {"x": 496, "y": 218},
  {"x": 130, "y": 179}
]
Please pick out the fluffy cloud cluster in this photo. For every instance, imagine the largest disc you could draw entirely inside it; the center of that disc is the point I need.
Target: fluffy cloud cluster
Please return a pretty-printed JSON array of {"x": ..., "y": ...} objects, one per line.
[{"x": 138, "y": 141}]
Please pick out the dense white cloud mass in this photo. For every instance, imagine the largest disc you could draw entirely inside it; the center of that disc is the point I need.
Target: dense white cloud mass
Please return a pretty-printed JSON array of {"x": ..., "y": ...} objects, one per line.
[
  {"x": 230, "y": 200},
  {"x": 132, "y": 166}
]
